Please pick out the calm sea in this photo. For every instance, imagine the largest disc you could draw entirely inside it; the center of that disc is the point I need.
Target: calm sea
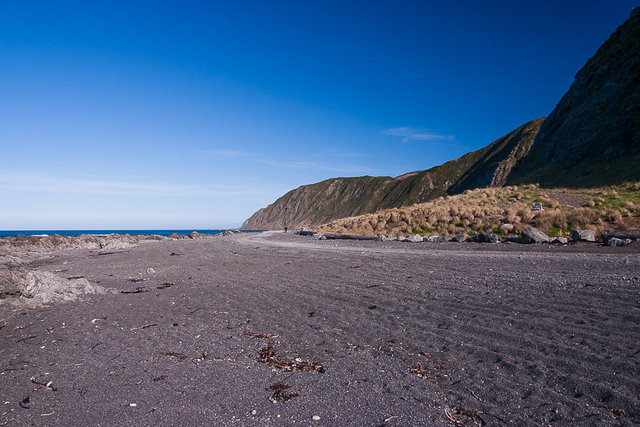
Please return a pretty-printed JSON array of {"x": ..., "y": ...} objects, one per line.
[{"x": 5, "y": 233}]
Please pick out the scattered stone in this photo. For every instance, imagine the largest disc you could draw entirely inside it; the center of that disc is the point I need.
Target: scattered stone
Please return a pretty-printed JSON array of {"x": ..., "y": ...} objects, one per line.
[
  {"x": 315, "y": 418},
  {"x": 485, "y": 238},
  {"x": 151, "y": 271},
  {"x": 416, "y": 238},
  {"x": 349, "y": 236},
  {"x": 633, "y": 234},
  {"x": 195, "y": 234},
  {"x": 506, "y": 228},
  {"x": 614, "y": 241},
  {"x": 228, "y": 233},
  {"x": 319, "y": 237},
  {"x": 384, "y": 238},
  {"x": 177, "y": 236},
  {"x": 560, "y": 240},
  {"x": 533, "y": 235},
  {"x": 583, "y": 235},
  {"x": 459, "y": 238},
  {"x": 438, "y": 239}
]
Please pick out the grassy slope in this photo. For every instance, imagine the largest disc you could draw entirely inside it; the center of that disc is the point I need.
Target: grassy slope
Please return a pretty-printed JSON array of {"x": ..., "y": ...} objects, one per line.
[{"x": 484, "y": 210}]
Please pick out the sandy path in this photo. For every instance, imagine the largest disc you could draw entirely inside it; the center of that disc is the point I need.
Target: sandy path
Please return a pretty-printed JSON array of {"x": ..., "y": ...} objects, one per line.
[{"x": 500, "y": 334}]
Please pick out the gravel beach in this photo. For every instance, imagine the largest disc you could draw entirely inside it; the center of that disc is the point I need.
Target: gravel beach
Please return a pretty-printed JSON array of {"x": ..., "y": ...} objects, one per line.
[{"x": 280, "y": 329}]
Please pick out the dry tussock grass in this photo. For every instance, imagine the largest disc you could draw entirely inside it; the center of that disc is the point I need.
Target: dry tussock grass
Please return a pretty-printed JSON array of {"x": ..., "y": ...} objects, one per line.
[{"x": 484, "y": 210}]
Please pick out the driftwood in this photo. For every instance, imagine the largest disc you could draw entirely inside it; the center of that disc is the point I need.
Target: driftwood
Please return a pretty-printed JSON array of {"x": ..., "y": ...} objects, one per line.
[
  {"x": 621, "y": 234},
  {"x": 349, "y": 236}
]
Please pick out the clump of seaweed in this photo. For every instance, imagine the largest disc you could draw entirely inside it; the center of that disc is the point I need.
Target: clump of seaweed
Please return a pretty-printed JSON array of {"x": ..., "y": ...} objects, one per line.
[
  {"x": 292, "y": 364},
  {"x": 281, "y": 393}
]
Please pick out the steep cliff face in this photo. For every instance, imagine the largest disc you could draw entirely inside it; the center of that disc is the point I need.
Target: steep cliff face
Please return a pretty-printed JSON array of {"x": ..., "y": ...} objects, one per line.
[
  {"x": 315, "y": 204},
  {"x": 592, "y": 137}
]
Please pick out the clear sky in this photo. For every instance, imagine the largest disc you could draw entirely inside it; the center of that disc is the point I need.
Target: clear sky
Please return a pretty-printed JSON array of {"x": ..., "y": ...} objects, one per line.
[{"x": 195, "y": 114}]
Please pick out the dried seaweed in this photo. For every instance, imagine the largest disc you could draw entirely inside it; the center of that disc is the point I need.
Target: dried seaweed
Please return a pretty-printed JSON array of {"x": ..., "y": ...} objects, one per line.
[
  {"x": 292, "y": 364},
  {"x": 258, "y": 335},
  {"x": 280, "y": 393},
  {"x": 138, "y": 290},
  {"x": 421, "y": 372},
  {"x": 463, "y": 416},
  {"x": 164, "y": 285}
]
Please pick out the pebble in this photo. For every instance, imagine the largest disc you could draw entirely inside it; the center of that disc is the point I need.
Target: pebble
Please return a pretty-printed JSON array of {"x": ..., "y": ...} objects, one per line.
[
  {"x": 133, "y": 404},
  {"x": 316, "y": 418},
  {"x": 254, "y": 412}
]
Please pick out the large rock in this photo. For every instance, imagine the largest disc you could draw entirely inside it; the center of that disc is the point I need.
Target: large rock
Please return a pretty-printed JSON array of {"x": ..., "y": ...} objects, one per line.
[
  {"x": 583, "y": 235},
  {"x": 439, "y": 239},
  {"x": 415, "y": 238},
  {"x": 533, "y": 235},
  {"x": 31, "y": 288},
  {"x": 614, "y": 241},
  {"x": 485, "y": 238},
  {"x": 560, "y": 240},
  {"x": 632, "y": 234}
]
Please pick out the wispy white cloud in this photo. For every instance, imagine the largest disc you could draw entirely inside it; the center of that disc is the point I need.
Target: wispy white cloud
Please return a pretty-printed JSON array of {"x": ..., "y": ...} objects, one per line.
[
  {"x": 408, "y": 133},
  {"x": 31, "y": 183}
]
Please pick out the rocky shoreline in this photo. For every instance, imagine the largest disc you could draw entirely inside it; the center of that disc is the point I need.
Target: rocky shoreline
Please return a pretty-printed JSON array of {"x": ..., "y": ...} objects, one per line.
[
  {"x": 280, "y": 329},
  {"x": 528, "y": 236},
  {"x": 24, "y": 286}
]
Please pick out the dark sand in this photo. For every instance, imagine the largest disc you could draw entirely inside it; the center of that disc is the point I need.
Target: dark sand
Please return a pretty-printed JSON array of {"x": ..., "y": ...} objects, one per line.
[{"x": 407, "y": 334}]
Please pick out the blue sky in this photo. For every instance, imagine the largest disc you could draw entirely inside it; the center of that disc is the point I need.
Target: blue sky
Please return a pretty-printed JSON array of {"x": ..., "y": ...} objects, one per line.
[{"x": 196, "y": 114}]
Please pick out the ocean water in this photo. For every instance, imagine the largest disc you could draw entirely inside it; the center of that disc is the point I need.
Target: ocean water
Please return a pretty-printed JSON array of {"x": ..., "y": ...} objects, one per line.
[{"x": 6, "y": 233}]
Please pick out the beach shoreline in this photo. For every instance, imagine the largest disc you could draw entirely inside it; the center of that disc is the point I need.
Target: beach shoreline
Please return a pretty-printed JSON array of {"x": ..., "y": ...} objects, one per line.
[{"x": 203, "y": 330}]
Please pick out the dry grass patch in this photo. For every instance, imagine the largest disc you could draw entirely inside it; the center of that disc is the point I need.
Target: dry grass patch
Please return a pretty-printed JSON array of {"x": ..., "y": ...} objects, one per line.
[{"x": 485, "y": 210}]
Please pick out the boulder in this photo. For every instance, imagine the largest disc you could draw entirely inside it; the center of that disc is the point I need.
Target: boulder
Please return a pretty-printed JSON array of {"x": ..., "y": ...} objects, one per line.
[
  {"x": 415, "y": 238},
  {"x": 583, "y": 235},
  {"x": 384, "y": 238},
  {"x": 506, "y": 228},
  {"x": 459, "y": 238},
  {"x": 31, "y": 288},
  {"x": 560, "y": 240},
  {"x": 632, "y": 234},
  {"x": 438, "y": 239},
  {"x": 319, "y": 237},
  {"x": 533, "y": 235},
  {"x": 485, "y": 238},
  {"x": 614, "y": 241},
  {"x": 177, "y": 236}
]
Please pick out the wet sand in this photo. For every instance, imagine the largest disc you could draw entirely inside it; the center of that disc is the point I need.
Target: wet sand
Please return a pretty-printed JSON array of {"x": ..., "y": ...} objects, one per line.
[{"x": 361, "y": 333}]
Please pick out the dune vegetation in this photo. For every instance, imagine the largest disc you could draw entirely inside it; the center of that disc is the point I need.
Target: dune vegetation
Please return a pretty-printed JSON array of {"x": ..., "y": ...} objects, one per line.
[{"x": 487, "y": 209}]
